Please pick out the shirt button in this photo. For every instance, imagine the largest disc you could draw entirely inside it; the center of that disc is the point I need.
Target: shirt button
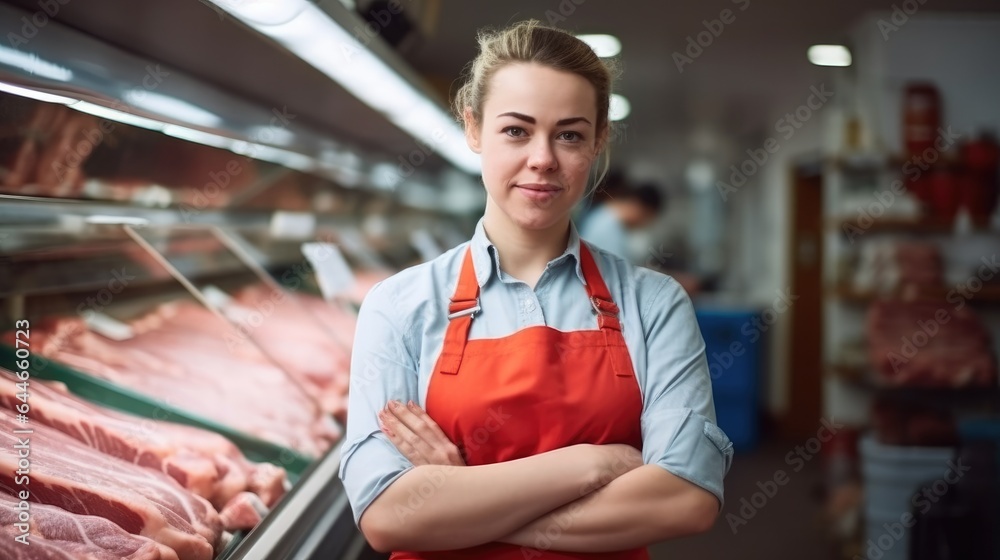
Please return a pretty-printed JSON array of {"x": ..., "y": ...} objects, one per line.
[{"x": 531, "y": 306}]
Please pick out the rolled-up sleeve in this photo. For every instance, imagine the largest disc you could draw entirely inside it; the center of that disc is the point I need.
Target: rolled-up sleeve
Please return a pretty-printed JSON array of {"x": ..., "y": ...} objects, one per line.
[
  {"x": 679, "y": 431},
  {"x": 382, "y": 369}
]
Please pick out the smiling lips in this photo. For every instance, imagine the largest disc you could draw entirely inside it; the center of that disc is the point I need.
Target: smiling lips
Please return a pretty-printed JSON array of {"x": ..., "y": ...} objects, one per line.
[{"x": 538, "y": 191}]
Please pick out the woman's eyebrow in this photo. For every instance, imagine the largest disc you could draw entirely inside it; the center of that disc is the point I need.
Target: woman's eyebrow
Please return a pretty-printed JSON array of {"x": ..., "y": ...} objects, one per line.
[{"x": 531, "y": 120}]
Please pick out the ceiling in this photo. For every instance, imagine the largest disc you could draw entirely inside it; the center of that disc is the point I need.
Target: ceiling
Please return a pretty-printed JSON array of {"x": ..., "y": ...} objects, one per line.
[{"x": 752, "y": 69}]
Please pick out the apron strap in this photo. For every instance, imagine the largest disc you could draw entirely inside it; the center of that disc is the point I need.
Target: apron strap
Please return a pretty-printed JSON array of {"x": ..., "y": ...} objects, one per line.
[
  {"x": 607, "y": 314},
  {"x": 463, "y": 307}
]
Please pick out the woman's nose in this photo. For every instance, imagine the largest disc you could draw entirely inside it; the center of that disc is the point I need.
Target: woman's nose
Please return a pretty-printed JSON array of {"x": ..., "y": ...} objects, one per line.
[{"x": 542, "y": 157}]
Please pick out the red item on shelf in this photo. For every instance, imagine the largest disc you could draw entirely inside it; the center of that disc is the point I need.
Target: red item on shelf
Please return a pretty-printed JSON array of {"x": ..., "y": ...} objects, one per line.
[
  {"x": 921, "y": 117},
  {"x": 944, "y": 195},
  {"x": 980, "y": 159}
]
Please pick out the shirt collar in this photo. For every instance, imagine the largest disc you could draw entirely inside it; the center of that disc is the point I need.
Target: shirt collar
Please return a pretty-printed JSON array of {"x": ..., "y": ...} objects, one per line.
[{"x": 483, "y": 252}]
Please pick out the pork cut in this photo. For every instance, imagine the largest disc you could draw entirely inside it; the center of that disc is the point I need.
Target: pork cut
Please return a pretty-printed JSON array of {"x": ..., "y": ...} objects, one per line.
[
  {"x": 57, "y": 534},
  {"x": 67, "y": 474},
  {"x": 203, "y": 462},
  {"x": 185, "y": 356}
]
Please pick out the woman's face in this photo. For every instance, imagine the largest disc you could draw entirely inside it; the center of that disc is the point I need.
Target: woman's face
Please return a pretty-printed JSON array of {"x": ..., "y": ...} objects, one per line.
[{"x": 538, "y": 140}]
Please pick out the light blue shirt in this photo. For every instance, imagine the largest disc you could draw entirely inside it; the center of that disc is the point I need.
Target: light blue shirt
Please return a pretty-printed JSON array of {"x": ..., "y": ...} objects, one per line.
[
  {"x": 401, "y": 329},
  {"x": 601, "y": 227}
]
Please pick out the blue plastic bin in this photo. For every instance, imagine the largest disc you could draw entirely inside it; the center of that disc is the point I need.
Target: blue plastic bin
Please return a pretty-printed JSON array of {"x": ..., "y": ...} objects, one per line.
[{"x": 734, "y": 346}]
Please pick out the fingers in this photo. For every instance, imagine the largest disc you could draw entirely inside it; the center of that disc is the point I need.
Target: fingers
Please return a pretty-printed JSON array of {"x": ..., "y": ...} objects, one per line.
[
  {"x": 419, "y": 434},
  {"x": 401, "y": 436}
]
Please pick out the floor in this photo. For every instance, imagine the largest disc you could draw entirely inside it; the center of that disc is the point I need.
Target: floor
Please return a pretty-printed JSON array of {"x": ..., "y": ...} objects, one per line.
[{"x": 788, "y": 526}]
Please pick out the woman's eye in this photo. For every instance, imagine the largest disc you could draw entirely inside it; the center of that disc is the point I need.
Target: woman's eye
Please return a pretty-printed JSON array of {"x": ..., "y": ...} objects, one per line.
[
  {"x": 571, "y": 136},
  {"x": 514, "y": 132}
]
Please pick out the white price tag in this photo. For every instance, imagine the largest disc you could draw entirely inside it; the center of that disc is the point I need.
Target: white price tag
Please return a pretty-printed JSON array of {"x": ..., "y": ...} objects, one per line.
[
  {"x": 332, "y": 271},
  {"x": 292, "y": 225},
  {"x": 425, "y": 244},
  {"x": 354, "y": 243},
  {"x": 216, "y": 297},
  {"x": 108, "y": 327}
]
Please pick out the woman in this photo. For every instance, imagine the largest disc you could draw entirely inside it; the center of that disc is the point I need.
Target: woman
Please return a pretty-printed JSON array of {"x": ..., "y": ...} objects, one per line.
[{"x": 500, "y": 393}]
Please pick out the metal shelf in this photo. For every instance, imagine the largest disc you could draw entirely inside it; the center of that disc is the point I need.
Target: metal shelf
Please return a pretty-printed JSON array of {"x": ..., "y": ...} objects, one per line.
[{"x": 314, "y": 521}]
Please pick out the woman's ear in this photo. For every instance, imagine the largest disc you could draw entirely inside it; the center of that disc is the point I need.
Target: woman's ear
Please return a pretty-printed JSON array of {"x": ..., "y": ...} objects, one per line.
[
  {"x": 473, "y": 131},
  {"x": 601, "y": 143}
]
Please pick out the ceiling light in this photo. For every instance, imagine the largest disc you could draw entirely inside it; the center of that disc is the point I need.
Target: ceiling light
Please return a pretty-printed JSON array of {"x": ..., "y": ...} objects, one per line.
[
  {"x": 36, "y": 95},
  {"x": 829, "y": 55},
  {"x": 171, "y": 107},
  {"x": 605, "y": 46},
  {"x": 261, "y": 12},
  {"x": 30, "y": 63},
  {"x": 321, "y": 42},
  {"x": 620, "y": 107}
]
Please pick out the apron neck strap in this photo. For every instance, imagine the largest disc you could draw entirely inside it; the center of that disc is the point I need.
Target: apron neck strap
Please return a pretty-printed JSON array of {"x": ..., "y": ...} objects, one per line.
[
  {"x": 600, "y": 297},
  {"x": 465, "y": 301}
]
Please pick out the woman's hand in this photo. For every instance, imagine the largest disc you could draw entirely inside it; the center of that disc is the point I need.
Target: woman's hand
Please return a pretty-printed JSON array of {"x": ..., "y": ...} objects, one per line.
[{"x": 417, "y": 436}]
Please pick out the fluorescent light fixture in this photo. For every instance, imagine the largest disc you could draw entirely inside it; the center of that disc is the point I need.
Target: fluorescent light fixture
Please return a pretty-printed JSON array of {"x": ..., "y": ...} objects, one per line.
[
  {"x": 198, "y": 136},
  {"x": 30, "y": 63},
  {"x": 36, "y": 95},
  {"x": 262, "y": 12},
  {"x": 276, "y": 135},
  {"x": 619, "y": 107},
  {"x": 829, "y": 55},
  {"x": 171, "y": 107},
  {"x": 102, "y": 219},
  {"x": 605, "y": 46},
  {"x": 117, "y": 115},
  {"x": 318, "y": 40}
]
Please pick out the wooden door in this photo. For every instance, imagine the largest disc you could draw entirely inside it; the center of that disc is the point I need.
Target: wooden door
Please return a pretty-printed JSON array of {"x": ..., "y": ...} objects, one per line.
[{"x": 804, "y": 353}]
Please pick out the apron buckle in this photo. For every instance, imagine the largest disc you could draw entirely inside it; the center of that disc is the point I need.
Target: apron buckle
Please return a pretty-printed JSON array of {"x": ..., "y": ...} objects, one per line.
[
  {"x": 604, "y": 307},
  {"x": 472, "y": 310}
]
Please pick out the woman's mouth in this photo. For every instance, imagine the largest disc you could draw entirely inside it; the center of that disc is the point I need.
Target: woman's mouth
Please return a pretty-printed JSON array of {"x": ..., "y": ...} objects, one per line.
[{"x": 538, "y": 192}]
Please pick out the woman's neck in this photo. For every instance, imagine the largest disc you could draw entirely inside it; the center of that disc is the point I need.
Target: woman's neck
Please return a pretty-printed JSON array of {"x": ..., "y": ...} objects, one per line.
[{"x": 524, "y": 252}]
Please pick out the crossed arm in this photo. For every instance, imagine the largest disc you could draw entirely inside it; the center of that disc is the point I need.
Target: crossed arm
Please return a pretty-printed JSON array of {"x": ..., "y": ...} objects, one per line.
[{"x": 595, "y": 498}]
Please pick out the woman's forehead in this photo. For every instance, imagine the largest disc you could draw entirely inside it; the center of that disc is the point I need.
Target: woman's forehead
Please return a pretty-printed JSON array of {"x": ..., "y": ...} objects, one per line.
[{"x": 527, "y": 88}]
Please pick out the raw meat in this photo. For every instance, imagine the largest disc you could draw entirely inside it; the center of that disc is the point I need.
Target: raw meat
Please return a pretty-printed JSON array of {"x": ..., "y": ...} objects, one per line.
[
  {"x": 244, "y": 511},
  {"x": 57, "y": 534},
  {"x": 930, "y": 345},
  {"x": 203, "y": 462},
  {"x": 70, "y": 475},
  {"x": 282, "y": 324},
  {"x": 191, "y": 359}
]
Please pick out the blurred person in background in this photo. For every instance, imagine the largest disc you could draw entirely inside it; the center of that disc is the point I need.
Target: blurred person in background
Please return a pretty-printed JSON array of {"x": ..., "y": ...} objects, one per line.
[
  {"x": 525, "y": 377},
  {"x": 609, "y": 224}
]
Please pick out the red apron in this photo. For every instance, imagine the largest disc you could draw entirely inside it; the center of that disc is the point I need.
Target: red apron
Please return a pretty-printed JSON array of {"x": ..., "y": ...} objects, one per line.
[{"x": 536, "y": 390}]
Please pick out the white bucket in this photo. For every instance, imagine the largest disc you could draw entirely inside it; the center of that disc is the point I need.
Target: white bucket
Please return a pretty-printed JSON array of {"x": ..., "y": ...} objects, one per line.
[{"x": 893, "y": 476}]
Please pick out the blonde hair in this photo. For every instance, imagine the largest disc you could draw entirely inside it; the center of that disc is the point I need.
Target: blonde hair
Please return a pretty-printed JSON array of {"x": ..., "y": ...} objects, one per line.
[{"x": 530, "y": 41}]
